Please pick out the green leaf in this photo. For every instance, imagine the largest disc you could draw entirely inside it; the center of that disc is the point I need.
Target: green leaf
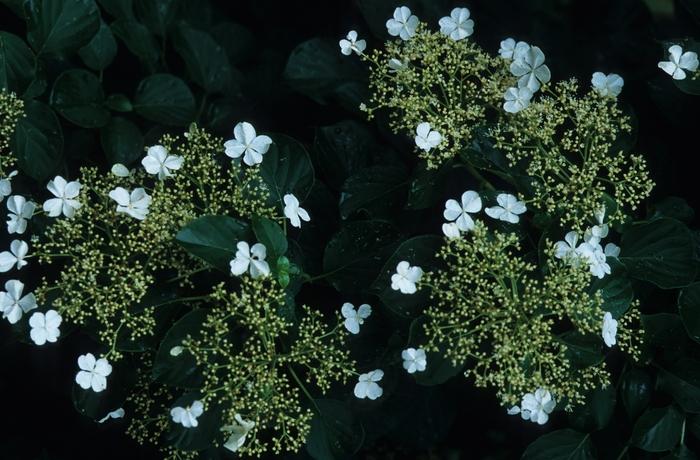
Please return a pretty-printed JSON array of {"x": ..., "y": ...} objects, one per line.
[
  {"x": 237, "y": 40},
  {"x": 17, "y": 63},
  {"x": 119, "y": 103},
  {"x": 681, "y": 452},
  {"x": 427, "y": 185},
  {"x": 181, "y": 370},
  {"x": 583, "y": 350},
  {"x": 38, "y": 141},
  {"x": 120, "y": 9},
  {"x": 138, "y": 39},
  {"x": 199, "y": 437},
  {"x": 121, "y": 141},
  {"x": 165, "y": 99},
  {"x": 206, "y": 61},
  {"x": 675, "y": 208},
  {"x": 560, "y": 445},
  {"x": 335, "y": 433},
  {"x": 101, "y": 50},
  {"x": 213, "y": 239},
  {"x": 78, "y": 96},
  {"x": 658, "y": 430},
  {"x": 664, "y": 330},
  {"x": 616, "y": 289},
  {"x": 635, "y": 391},
  {"x": 682, "y": 381},
  {"x": 286, "y": 168},
  {"x": 269, "y": 233},
  {"x": 377, "y": 190},
  {"x": 595, "y": 413},
  {"x": 157, "y": 15},
  {"x": 660, "y": 251},
  {"x": 60, "y": 26},
  {"x": 689, "y": 309},
  {"x": 341, "y": 150}
]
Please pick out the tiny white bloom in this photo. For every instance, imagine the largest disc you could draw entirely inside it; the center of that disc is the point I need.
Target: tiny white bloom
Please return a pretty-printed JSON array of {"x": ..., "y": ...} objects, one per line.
[
  {"x": 414, "y": 360},
  {"x": 508, "y": 209},
  {"x": 459, "y": 213},
  {"x": 93, "y": 372},
  {"x": 367, "y": 387},
  {"x": 403, "y": 24},
  {"x": 451, "y": 230},
  {"x": 20, "y": 211},
  {"x": 351, "y": 44},
  {"x": 120, "y": 170},
  {"x": 512, "y": 50},
  {"x": 293, "y": 211},
  {"x": 679, "y": 62},
  {"x": 537, "y": 407},
  {"x": 253, "y": 258},
  {"x": 426, "y": 138},
  {"x": 6, "y": 185},
  {"x": 355, "y": 318},
  {"x": 531, "y": 69},
  {"x": 246, "y": 142},
  {"x": 457, "y": 25},
  {"x": 239, "y": 431},
  {"x": 612, "y": 250},
  {"x": 176, "y": 350},
  {"x": 607, "y": 85},
  {"x": 187, "y": 416},
  {"x": 609, "y": 329},
  {"x": 14, "y": 257},
  {"x": 395, "y": 65},
  {"x": 135, "y": 204},
  {"x": 516, "y": 99},
  {"x": 65, "y": 202},
  {"x": 12, "y": 304},
  {"x": 405, "y": 278},
  {"x": 45, "y": 327},
  {"x": 567, "y": 249},
  {"x": 118, "y": 413},
  {"x": 159, "y": 161}
]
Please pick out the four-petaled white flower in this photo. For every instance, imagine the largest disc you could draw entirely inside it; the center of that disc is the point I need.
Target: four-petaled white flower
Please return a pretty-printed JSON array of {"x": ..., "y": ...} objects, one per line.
[
  {"x": 607, "y": 85},
  {"x": 457, "y": 25},
  {"x": 406, "y": 277},
  {"x": 159, "y": 161},
  {"x": 403, "y": 24},
  {"x": 679, "y": 62},
  {"x": 395, "y": 65},
  {"x": 531, "y": 69},
  {"x": 12, "y": 304},
  {"x": 535, "y": 407},
  {"x": 508, "y": 208},
  {"x": 14, "y": 257},
  {"x": 367, "y": 387},
  {"x": 187, "y": 416},
  {"x": 134, "y": 204},
  {"x": 593, "y": 253},
  {"x": 65, "y": 202},
  {"x": 516, "y": 99},
  {"x": 120, "y": 170},
  {"x": 6, "y": 185},
  {"x": 426, "y": 138},
  {"x": 246, "y": 142},
  {"x": 609, "y": 329},
  {"x": 45, "y": 327},
  {"x": 414, "y": 360},
  {"x": 351, "y": 44},
  {"x": 93, "y": 372},
  {"x": 511, "y": 50},
  {"x": 117, "y": 413},
  {"x": 451, "y": 230},
  {"x": 355, "y": 318},
  {"x": 253, "y": 258},
  {"x": 293, "y": 211},
  {"x": 459, "y": 213},
  {"x": 239, "y": 431},
  {"x": 20, "y": 210},
  {"x": 566, "y": 249}
]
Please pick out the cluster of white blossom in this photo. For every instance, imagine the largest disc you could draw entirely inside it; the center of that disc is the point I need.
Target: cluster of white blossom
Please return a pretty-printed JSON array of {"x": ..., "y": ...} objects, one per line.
[
  {"x": 535, "y": 407},
  {"x": 458, "y": 214}
]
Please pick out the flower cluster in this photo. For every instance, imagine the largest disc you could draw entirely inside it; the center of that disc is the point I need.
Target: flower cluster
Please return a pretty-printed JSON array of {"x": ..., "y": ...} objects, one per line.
[{"x": 11, "y": 109}]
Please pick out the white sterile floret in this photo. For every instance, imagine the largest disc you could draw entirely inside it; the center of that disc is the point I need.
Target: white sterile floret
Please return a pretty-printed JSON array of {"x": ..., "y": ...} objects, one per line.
[
  {"x": 120, "y": 170},
  {"x": 459, "y": 212},
  {"x": 367, "y": 387},
  {"x": 294, "y": 212},
  {"x": 406, "y": 277},
  {"x": 93, "y": 372},
  {"x": 250, "y": 258},
  {"x": 395, "y": 65},
  {"x": 457, "y": 25},
  {"x": 566, "y": 249},
  {"x": 403, "y": 24},
  {"x": 594, "y": 255},
  {"x": 135, "y": 204},
  {"x": 531, "y": 69},
  {"x": 612, "y": 250},
  {"x": 511, "y": 50},
  {"x": 679, "y": 62},
  {"x": 12, "y": 304},
  {"x": 115, "y": 414},
  {"x": 516, "y": 99},
  {"x": 537, "y": 407},
  {"x": 414, "y": 360},
  {"x": 176, "y": 350},
  {"x": 350, "y": 44},
  {"x": 508, "y": 209},
  {"x": 246, "y": 142},
  {"x": 65, "y": 194},
  {"x": 187, "y": 416},
  {"x": 45, "y": 327},
  {"x": 451, "y": 230},
  {"x": 6, "y": 185},
  {"x": 20, "y": 211},
  {"x": 14, "y": 257},
  {"x": 426, "y": 138},
  {"x": 239, "y": 431},
  {"x": 607, "y": 85},
  {"x": 355, "y": 318},
  {"x": 159, "y": 161},
  {"x": 599, "y": 231},
  {"x": 609, "y": 329}
]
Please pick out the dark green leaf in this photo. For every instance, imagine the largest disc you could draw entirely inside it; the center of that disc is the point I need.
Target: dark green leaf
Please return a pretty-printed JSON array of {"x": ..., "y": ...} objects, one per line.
[
  {"x": 237, "y": 40},
  {"x": 206, "y": 61},
  {"x": 17, "y": 63},
  {"x": 165, "y": 99},
  {"x": 377, "y": 191},
  {"x": 675, "y": 208},
  {"x": 664, "y": 330},
  {"x": 616, "y": 289},
  {"x": 427, "y": 185},
  {"x": 635, "y": 391},
  {"x": 121, "y": 141},
  {"x": 120, "y": 9},
  {"x": 560, "y": 445},
  {"x": 682, "y": 381},
  {"x": 138, "y": 39},
  {"x": 181, "y": 370},
  {"x": 583, "y": 350},
  {"x": 681, "y": 452},
  {"x": 596, "y": 411},
  {"x": 101, "y": 50},
  {"x": 658, "y": 430},
  {"x": 272, "y": 236},
  {"x": 78, "y": 96},
  {"x": 157, "y": 15},
  {"x": 38, "y": 141},
  {"x": 341, "y": 150},
  {"x": 335, "y": 434},
  {"x": 60, "y": 26},
  {"x": 286, "y": 168},
  {"x": 119, "y": 103},
  {"x": 689, "y": 309},
  {"x": 213, "y": 239}
]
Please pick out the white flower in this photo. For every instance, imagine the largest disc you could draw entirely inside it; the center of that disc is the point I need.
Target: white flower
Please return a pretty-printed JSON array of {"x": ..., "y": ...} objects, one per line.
[
  {"x": 293, "y": 211},
  {"x": 93, "y": 373},
  {"x": 451, "y": 230},
  {"x": 414, "y": 360},
  {"x": 611, "y": 250},
  {"x": 599, "y": 231},
  {"x": 134, "y": 204},
  {"x": 516, "y": 99},
  {"x": 120, "y": 170},
  {"x": 511, "y": 50},
  {"x": 45, "y": 327},
  {"x": 239, "y": 431},
  {"x": 593, "y": 253},
  {"x": 395, "y": 65},
  {"x": 15, "y": 256},
  {"x": 187, "y": 416},
  {"x": 159, "y": 161},
  {"x": 403, "y": 24},
  {"x": 248, "y": 144},
  {"x": 12, "y": 304},
  {"x": 118, "y": 413},
  {"x": 459, "y": 213},
  {"x": 567, "y": 249},
  {"x": 367, "y": 387},
  {"x": 537, "y": 407},
  {"x": 176, "y": 350},
  {"x": 513, "y": 410},
  {"x": 607, "y": 85},
  {"x": 531, "y": 69},
  {"x": 426, "y": 138},
  {"x": 6, "y": 185},
  {"x": 351, "y": 44},
  {"x": 20, "y": 210},
  {"x": 405, "y": 278},
  {"x": 355, "y": 318},
  {"x": 609, "y": 329},
  {"x": 65, "y": 202},
  {"x": 508, "y": 209},
  {"x": 250, "y": 257},
  {"x": 679, "y": 61},
  {"x": 457, "y": 25}
]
